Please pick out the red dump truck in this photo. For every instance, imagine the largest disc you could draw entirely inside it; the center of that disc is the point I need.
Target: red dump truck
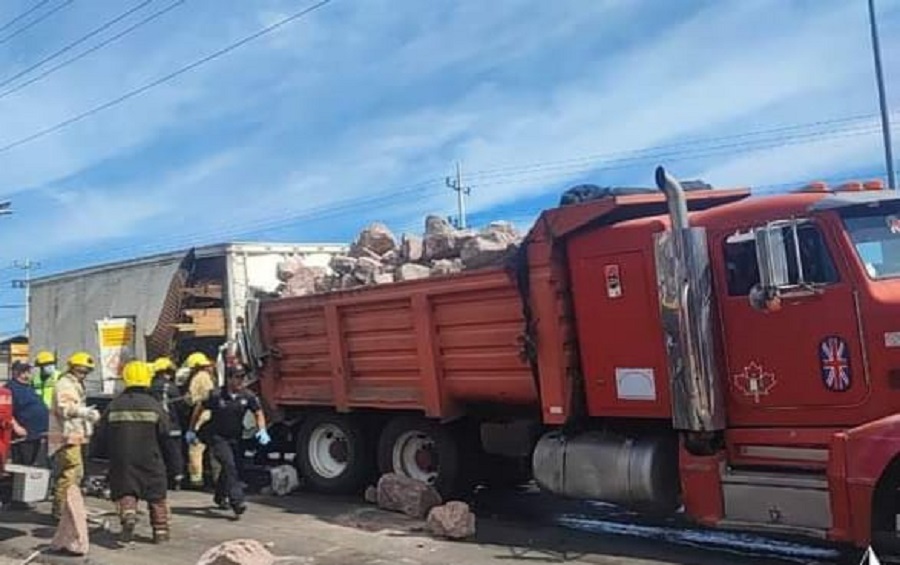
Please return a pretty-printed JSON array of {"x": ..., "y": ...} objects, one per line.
[{"x": 736, "y": 356}]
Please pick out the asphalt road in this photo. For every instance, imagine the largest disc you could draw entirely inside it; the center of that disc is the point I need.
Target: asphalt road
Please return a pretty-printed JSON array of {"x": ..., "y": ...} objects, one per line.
[{"x": 524, "y": 527}]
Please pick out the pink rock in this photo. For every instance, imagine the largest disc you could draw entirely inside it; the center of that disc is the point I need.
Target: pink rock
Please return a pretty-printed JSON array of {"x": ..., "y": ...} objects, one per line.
[
  {"x": 453, "y": 520},
  {"x": 238, "y": 552},
  {"x": 403, "y": 494},
  {"x": 411, "y": 272}
]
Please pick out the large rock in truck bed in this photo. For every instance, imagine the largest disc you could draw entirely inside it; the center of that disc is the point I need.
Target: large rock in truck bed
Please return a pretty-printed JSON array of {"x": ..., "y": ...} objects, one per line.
[{"x": 376, "y": 257}]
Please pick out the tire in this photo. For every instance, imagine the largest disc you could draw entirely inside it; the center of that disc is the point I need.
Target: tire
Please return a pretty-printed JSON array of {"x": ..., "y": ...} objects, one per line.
[
  {"x": 333, "y": 454},
  {"x": 420, "y": 449}
]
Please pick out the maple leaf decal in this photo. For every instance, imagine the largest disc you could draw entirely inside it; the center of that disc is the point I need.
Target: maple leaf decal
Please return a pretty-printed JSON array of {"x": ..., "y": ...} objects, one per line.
[{"x": 754, "y": 381}]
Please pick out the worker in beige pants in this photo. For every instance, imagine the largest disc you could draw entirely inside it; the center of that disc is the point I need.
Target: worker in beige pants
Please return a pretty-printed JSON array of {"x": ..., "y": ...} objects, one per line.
[{"x": 200, "y": 385}]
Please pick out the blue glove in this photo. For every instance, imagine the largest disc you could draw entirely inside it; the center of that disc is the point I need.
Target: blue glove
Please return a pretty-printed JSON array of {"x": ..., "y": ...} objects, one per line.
[
  {"x": 262, "y": 436},
  {"x": 190, "y": 436}
]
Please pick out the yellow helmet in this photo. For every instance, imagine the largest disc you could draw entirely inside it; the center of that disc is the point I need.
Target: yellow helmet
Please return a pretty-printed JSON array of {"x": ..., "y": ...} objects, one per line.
[
  {"x": 196, "y": 360},
  {"x": 137, "y": 373},
  {"x": 163, "y": 364},
  {"x": 45, "y": 358},
  {"x": 81, "y": 359}
]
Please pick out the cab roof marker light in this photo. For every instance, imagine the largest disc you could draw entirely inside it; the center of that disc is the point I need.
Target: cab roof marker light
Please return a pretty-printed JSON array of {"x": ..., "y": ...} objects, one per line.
[
  {"x": 876, "y": 184},
  {"x": 815, "y": 186},
  {"x": 851, "y": 186}
]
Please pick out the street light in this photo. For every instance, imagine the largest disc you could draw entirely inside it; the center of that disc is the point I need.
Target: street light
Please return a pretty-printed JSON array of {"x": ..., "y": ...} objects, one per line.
[{"x": 882, "y": 98}]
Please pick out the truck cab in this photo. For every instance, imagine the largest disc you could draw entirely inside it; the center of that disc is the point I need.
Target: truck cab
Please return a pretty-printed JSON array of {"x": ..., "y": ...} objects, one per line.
[
  {"x": 770, "y": 343},
  {"x": 807, "y": 299}
]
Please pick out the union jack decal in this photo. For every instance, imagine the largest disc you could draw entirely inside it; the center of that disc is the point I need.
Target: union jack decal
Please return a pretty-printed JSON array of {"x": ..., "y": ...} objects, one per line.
[{"x": 835, "y": 364}]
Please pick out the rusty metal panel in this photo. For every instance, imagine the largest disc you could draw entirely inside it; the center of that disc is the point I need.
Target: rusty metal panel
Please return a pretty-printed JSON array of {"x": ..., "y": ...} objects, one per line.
[
  {"x": 479, "y": 336},
  {"x": 161, "y": 341},
  {"x": 298, "y": 339},
  {"x": 430, "y": 345},
  {"x": 382, "y": 354}
]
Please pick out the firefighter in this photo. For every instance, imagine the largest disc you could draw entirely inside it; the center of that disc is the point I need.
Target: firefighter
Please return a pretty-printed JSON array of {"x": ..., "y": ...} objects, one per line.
[
  {"x": 46, "y": 377},
  {"x": 166, "y": 392},
  {"x": 30, "y": 418},
  {"x": 134, "y": 430},
  {"x": 199, "y": 386},
  {"x": 223, "y": 433},
  {"x": 71, "y": 426}
]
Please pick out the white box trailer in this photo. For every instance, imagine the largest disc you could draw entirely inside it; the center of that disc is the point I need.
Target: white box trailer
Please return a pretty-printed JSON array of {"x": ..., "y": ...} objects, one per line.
[{"x": 139, "y": 302}]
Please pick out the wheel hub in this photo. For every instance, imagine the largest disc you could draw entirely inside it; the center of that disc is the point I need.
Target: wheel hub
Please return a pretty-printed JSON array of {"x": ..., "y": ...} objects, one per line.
[
  {"x": 414, "y": 455},
  {"x": 328, "y": 451}
]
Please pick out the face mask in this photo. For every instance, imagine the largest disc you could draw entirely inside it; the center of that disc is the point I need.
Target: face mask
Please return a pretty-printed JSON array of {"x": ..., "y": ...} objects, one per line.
[{"x": 48, "y": 370}]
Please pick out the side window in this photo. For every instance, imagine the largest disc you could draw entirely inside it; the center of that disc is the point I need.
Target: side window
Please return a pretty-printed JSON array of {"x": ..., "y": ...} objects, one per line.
[
  {"x": 741, "y": 269},
  {"x": 815, "y": 261},
  {"x": 815, "y": 265}
]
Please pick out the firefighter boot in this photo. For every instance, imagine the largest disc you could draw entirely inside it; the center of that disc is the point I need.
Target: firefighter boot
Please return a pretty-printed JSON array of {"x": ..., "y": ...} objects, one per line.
[
  {"x": 159, "y": 520},
  {"x": 128, "y": 517}
]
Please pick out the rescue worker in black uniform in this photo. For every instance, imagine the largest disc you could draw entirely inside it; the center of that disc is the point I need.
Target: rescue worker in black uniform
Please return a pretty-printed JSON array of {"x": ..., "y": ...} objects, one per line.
[
  {"x": 166, "y": 392},
  {"x": 133, "y": 431},
  {"x": 222, "y": 434}
]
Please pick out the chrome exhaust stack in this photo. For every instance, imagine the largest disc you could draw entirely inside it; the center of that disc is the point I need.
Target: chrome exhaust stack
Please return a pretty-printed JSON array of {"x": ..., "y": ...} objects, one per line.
[{"x": 685, "y": 296}]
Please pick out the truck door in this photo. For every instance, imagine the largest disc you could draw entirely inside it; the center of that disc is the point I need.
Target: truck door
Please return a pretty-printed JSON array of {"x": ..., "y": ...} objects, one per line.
[{"x": 803, "y": 354}]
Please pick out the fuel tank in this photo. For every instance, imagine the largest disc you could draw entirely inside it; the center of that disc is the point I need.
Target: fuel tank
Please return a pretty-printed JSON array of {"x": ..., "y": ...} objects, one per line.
[{"x": 639, "y": 473}]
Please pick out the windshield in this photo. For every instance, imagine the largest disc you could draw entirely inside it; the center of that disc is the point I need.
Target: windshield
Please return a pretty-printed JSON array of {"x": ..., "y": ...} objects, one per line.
[{"x": 876, "y": 237}]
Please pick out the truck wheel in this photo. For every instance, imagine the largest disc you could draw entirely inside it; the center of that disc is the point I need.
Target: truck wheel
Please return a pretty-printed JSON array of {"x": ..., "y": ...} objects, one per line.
[
  {"x": 422, "y": 450},
  {"x": 332, "y": 453},
  {"x": 885, "y": 514}
]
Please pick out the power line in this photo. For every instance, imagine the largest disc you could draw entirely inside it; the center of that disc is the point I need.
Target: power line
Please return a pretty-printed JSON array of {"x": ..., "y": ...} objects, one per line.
[
  {"x": 164, "y": 79},
  {"x": 93, "y": 49},
  {"x": 24, "y": 14},
  {"x": 642, "y": 153},
  {"x": 528, "y": 174},
  {"x": 36, "y": 21},
  {"x": 77, "y": 42}
]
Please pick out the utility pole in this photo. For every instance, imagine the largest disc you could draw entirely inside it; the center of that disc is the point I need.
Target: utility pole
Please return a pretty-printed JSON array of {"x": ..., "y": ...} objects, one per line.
[
  {"x": 461, "y": 193},
  {"x": 882, "y": 98},
  {"x": 25, "y": 283}
]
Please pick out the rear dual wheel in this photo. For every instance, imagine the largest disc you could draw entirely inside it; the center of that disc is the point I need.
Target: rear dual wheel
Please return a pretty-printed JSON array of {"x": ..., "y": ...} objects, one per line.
[
  {"x": 333, "y": 454},
  {"x": 422, "y": 450}
]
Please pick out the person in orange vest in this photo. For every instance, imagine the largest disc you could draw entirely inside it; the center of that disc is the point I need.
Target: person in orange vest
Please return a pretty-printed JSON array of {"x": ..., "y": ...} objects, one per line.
[
  {"x": 199, "y": 386},
  {"x": 46, "y": 376}
]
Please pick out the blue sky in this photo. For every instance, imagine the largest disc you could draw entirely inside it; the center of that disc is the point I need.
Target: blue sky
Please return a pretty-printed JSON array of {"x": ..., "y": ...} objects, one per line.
[{"x": 357, "y": 112}]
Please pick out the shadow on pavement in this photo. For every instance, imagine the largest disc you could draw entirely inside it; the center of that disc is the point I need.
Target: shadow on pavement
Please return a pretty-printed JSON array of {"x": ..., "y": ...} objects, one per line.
[{"x": 522, "y": 524}]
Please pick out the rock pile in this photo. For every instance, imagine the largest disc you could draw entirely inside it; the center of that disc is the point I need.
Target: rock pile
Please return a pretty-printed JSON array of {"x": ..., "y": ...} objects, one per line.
[
  {"x": 398, "y": 493},
  {"x": 378, "y": 257}
]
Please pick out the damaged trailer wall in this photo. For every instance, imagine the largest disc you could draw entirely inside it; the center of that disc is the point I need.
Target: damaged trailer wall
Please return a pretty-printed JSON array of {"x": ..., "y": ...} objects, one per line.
[{"x": 64, "y": 310}]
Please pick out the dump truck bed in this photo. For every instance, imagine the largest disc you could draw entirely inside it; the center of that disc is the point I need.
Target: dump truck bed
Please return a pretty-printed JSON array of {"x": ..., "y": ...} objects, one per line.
[
  {"x": 495, "y": 336},
  {"x": 433, "y": 345}
]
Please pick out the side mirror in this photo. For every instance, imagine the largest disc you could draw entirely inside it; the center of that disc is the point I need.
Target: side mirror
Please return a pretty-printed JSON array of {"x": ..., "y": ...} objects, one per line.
[
  {"x": 771, "y": 257},
  {"x": 772, "y": 261}
]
